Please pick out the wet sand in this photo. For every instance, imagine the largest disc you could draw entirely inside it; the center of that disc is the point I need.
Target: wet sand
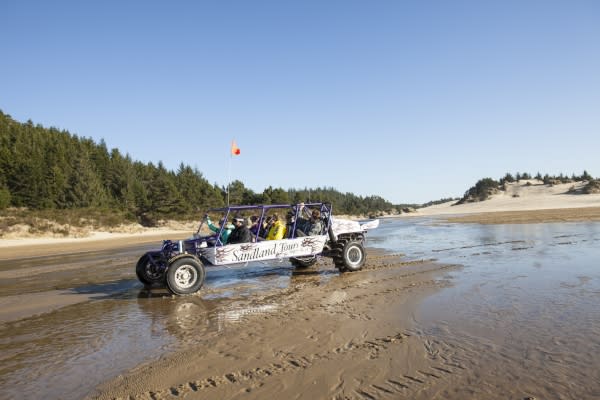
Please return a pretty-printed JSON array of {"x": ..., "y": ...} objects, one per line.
[
  {"x": 41, "y": 277},
  {"x": 530, "y": 216},
  {"x": 348, "y": 337},
  {"x": 264, "y": 332}
]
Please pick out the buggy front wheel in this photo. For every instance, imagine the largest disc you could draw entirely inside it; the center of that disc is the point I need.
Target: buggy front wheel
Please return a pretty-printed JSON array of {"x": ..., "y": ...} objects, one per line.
[
  {"x": 185, "y": 275},
  {"x": 352, "y": 256}
]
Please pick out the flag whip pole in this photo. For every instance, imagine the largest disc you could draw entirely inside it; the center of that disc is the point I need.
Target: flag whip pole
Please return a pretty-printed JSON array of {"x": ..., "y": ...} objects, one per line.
[
  {"x": 234, "y": 151},
  {"x": 229, "y": 176}
]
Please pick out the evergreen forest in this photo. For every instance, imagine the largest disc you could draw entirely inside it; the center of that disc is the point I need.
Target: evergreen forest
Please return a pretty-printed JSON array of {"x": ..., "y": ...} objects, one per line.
[{"x": 49, "y": 169}]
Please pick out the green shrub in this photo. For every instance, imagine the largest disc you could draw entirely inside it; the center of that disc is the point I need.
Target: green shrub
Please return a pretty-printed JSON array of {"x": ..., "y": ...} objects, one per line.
[
  {"x": 481, "y": 191},
  {"x": 4, "y": 198},
  {"x": 593, "y": 186}
]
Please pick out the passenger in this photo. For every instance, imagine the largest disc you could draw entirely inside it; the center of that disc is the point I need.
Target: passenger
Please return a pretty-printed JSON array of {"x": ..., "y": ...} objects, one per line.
[
  {"x": 254, "y": 228},
  {"x": 312, "y": 226},
  {"x": 226, "y": 229},
  {"x": 277, "y": 230},
  {"x": 266, "y": 225},
  {"x": 290, "y": 219},
  {"x": 241, "y": 233}
]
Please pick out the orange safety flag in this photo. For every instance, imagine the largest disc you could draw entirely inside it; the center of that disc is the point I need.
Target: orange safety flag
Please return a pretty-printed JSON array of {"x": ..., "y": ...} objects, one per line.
[{"x": 235, "y": 151}]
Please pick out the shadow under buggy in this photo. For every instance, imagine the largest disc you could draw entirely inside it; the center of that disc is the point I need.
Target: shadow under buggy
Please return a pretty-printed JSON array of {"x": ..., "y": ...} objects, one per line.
[{"x": 180, "y": 265}]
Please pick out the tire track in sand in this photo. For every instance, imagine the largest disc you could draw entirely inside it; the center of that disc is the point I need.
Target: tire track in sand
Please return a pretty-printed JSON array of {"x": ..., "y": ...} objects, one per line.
[{"x": 249, "y": 379}]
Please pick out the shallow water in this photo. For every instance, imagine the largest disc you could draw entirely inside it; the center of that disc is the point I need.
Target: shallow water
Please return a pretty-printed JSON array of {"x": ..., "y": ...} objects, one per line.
[
  {"x": 528, "y": 292},
  {"x": 524, "y": 311}
]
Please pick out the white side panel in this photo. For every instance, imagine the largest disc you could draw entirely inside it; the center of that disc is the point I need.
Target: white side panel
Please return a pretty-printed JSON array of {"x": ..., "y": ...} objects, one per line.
[
  {"x": 265, "y": 250},
  {"x": 344, "y": 226}
]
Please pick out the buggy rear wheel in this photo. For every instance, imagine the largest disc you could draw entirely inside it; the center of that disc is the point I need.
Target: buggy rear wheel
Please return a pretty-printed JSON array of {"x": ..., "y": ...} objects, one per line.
[
  {"x": 185, "y": 275},
  {"x": 303, "y": 262},
  {"x": 147, "y": 272}
]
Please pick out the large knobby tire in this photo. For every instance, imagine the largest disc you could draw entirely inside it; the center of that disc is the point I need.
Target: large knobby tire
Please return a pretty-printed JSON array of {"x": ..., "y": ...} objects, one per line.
[
  {"x": 303, "y": 262},
  {"x": 185, "y": 275},
  {"x": 147, "y": 272},
  {"x": 353, "y": 256}
]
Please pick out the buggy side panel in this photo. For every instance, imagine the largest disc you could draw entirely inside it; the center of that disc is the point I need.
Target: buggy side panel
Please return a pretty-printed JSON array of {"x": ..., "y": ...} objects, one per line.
[{"x": 264, "y": 250}]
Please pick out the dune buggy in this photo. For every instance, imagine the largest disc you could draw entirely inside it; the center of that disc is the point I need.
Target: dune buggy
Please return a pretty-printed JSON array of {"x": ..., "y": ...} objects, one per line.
[{"x": 181, "y": 264}]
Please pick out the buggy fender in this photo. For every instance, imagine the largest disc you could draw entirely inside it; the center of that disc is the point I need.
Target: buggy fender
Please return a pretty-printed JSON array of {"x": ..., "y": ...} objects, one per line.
[
  {"x": 184, "y": 255},
  {"x": 370, "y": 225},
  {"x": 154, "y": 257},
  {"x": 332, "y": 235}
]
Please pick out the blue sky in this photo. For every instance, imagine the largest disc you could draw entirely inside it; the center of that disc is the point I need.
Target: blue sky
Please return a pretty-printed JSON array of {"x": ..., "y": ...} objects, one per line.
[{"x": 412, "y": 101}]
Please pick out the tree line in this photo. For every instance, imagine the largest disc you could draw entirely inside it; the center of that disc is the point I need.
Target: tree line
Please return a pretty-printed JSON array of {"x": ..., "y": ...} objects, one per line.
[{"x": 46, "y": 168}]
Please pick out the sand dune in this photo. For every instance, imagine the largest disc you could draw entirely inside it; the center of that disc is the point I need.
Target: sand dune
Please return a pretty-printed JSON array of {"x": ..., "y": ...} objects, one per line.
[{"x": 522, "y": 196}]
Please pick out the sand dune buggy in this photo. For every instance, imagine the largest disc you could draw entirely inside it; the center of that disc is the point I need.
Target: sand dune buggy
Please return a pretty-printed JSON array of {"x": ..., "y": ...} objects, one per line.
[{"x": 180, "y": 265}]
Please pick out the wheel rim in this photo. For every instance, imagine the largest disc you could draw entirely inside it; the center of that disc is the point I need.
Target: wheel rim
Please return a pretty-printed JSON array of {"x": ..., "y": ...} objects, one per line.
[
  {"x": 186, "y": 276},
  {"x": 354, "y": 255}
]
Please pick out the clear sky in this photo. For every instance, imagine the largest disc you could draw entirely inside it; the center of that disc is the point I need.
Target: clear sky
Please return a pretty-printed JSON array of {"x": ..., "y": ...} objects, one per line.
[{"x": 409, "y": 100}]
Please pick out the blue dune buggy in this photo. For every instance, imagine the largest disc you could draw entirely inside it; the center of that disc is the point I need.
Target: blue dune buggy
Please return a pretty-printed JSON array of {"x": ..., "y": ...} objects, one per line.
[{"x": 180, "y": 265}]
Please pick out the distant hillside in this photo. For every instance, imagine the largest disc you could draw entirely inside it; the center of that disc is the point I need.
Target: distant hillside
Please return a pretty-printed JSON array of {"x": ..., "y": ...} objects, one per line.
[{"x": 484, "y": 188}]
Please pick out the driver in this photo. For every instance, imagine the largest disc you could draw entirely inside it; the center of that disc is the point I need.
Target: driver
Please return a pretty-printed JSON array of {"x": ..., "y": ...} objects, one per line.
[
  {"x": 241, "y": 233},
  {"x": 227, "y": 228}
]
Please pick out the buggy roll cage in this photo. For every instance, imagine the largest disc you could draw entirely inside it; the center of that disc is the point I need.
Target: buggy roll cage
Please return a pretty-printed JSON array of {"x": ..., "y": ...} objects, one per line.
[{"x": 263, "y": 210}]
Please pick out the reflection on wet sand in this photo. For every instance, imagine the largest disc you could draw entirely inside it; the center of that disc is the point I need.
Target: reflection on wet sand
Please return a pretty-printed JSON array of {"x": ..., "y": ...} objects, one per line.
[{"x": 61, "y": 353}]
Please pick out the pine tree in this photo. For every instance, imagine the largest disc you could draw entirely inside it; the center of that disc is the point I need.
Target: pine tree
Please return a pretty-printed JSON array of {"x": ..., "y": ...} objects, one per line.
[{"x": 84, "y": 187}]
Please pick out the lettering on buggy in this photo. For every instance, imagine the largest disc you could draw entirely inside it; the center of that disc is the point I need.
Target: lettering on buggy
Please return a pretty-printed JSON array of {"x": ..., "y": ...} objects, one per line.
[
  {"x": 266, "y": 250},
  {"x": 250, "y": 253}
]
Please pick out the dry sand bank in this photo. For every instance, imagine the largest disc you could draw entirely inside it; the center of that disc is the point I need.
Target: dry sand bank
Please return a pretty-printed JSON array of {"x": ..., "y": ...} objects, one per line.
[
  {"x": 523, "y": 199},
  {"x": 32, "y": 247}
]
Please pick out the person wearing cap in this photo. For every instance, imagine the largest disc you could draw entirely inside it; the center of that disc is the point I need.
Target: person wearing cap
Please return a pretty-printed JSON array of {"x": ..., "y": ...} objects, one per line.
[
  {"x": 227, "y": 229},
  {"x": 241, "y": 233}
]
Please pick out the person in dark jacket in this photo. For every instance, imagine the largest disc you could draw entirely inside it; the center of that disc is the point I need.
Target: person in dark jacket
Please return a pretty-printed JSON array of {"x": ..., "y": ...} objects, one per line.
[
  {"x": 312, "y": 226},
  {"x": 254, "y": 227},
  {"x": 241, "y": 233}
]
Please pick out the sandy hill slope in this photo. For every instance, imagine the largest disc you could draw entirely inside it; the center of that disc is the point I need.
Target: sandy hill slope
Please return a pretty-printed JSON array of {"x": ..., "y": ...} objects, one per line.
[{"x": 521, "y": 196}]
